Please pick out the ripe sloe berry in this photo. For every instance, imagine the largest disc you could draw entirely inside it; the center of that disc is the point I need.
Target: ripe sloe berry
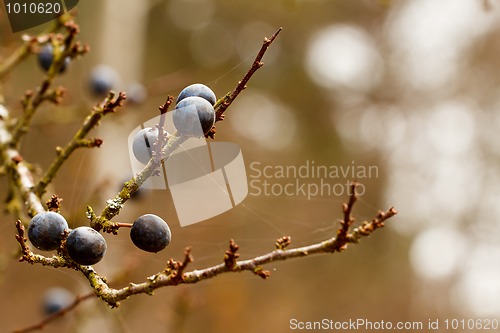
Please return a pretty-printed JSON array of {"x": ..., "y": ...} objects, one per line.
[
  {"x": 46, "y": 57},
  {"x": 86, "y": 246},
  {"x": 199, "y": 90},
  {"x": 150, "y": 233},
  {"x": 55, "y": 299},
  {"x": 103, "y": 79},
  {"x": 142, "y": 146},
  {"x": 45, "y": 230},
  {"x": 194, "y": 116}
]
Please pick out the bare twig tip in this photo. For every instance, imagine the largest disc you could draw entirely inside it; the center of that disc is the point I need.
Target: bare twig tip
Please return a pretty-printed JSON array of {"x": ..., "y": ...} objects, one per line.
[{"x": 275, "y": 34}]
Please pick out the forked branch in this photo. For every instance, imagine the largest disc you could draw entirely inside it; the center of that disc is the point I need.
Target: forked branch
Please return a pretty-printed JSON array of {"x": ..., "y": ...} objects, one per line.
[{"x": 175, "y": 274}]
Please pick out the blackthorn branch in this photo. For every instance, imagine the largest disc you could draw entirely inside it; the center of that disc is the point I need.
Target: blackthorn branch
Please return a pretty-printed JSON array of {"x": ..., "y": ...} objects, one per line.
[
  {"x": 175, "y": 274},
  {"x": 24, "y": 190}
]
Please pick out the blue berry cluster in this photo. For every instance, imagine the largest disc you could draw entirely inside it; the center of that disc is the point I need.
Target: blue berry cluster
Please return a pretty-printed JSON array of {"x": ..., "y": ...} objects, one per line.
[
  {"x": 194, "y": 114},
  {"x": 85, "y": 245}
]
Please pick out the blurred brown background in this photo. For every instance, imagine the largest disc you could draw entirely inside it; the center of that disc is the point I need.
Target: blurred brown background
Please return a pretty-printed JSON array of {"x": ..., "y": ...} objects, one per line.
[{"x": 410, "y": 87}]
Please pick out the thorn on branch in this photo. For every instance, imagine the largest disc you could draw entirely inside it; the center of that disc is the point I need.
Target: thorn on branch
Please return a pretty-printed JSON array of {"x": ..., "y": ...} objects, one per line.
[
  {"x": 54, "y": 203},
  {"x": 231, "y": 255}
]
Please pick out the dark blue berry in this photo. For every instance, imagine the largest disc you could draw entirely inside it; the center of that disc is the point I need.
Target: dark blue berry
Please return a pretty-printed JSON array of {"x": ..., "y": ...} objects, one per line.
[
  {"x": 199, "y": 90},
  {"x": 46, "y": 57},
  {"x": 45, "y": 230},
  {"x": 86, "y": 246},
  {"x": 103, "y": 79},
  {"x": 194, "y": 116},
  {"x": 150, "y": 233},
  {"x": 55, "y": 299},
  {"x": 142, "y": 146}
]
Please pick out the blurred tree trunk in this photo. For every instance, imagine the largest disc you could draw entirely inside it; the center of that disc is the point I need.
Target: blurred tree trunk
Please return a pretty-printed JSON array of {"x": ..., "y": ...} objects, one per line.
[{"x": 120, "y": 44}]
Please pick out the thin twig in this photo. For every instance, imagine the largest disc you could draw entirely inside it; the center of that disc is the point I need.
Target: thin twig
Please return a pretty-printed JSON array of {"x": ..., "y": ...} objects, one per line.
[
  {"x": 223, "y": 103},
  {"x": 32, "y": 100},
  {"x": 257, "y": 63},
  {"x": 109, "y": 105},
  {"x": 124, "y": 225},
  {"x": 367, "y": 227},
  {"x": 58, "y": 314}
]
